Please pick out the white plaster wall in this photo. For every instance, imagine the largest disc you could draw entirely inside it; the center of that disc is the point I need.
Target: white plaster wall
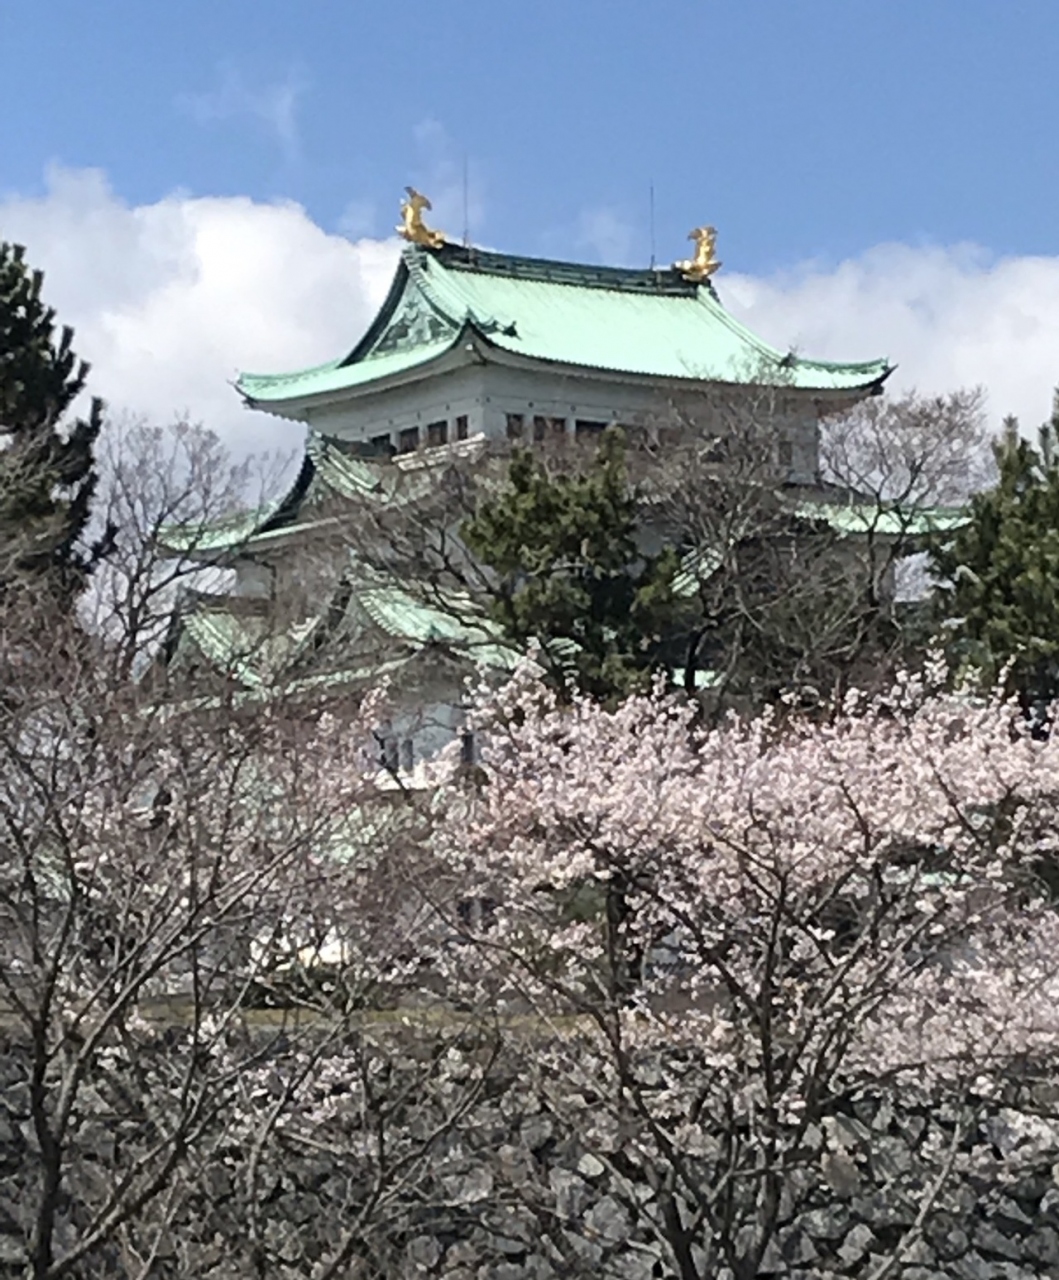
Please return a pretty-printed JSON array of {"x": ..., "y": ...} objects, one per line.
[
  {"x": 252, "y": 579},
  {"x": 804, "y": 434},
  {"x": 444, "y": 396},
  {"x": 430, "y": 722},
  {"x": 487, "y": 394},
  {"x": 560, "y": 396}
]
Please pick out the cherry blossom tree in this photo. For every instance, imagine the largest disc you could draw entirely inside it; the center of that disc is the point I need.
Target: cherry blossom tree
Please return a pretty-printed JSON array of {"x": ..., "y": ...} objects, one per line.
[
  {"x": 728, "y": 935},
  {"x": 160, "y": 486},
  {"x": 205, "y": 899}
]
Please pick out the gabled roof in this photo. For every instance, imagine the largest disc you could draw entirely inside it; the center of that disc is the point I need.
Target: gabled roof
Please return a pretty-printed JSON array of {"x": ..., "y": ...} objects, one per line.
[
  {"x": 252, "y": 650},
  {"x": 872, "y": 519},
  {"x": 859, "y": 519},
  {"x": 327, "y": 468},
  {"x": 377, "y": 616},
  {"x": 206, "y": 539},
  {"x": 651, "y": 324}
]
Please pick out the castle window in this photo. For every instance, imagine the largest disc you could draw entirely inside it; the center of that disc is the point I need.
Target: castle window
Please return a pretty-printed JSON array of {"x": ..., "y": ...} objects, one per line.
[
  {"x": 408, "y": 755},
  {"x": 461, "y": 427},
  {"x": 408, "y": 440},
  {"x": 585, "y": 430},
  {"x": 437, "y": 433},
  {"x": 548, "y": 429},
  {"x": 467, "y": 750},
  {"x": 382, "y": 444},
  {"x": 388, "y": 756},
  {"x": 477, "y": 913},
  {"x": 786, "y": 453},
  {"x": 516, "y": 424}
]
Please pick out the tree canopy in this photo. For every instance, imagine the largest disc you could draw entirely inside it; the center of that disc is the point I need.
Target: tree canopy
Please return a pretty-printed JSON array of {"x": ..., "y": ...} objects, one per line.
[
  {"x": 570, "y": 575},
  {"x": 47, "y": 470},
  {"x": 997, "y": 598}
]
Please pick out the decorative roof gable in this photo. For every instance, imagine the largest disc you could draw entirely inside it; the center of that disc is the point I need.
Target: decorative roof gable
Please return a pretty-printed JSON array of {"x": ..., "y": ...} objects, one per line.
[{"x": 414, "y": 324}]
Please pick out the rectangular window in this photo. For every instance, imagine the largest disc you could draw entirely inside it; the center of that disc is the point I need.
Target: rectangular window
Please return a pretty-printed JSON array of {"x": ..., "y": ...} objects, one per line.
[
  {"x": 388, "y": 756},
  {"x": 461, "y": 427},
  {"x": 786, "y": 453},
  {"x": 467, "y": 752},
  {"x": 408, "y": 440},
  {"x": 477, "y": 913},
  {"x": 516, "y": 424},
  {"x": 408, "y": 755},
  {"x": 381, "y": 444},
  {"x": 545, "y": 429},
  {"x": 437, "y": 433},
  {"x": 585, "y": 430}
]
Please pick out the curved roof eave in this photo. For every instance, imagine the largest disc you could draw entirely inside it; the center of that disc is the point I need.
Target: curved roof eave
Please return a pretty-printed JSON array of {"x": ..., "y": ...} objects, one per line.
[
  {"x": 519, "y": 359},
  {"x": 246, "y": 381},
  {"x": 422, "y": 364},
  {"x": 881, "y": 368}
]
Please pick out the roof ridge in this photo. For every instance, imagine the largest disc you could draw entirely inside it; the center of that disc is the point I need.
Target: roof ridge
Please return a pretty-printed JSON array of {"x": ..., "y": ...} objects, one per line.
[{"x": 655, "y": 280}]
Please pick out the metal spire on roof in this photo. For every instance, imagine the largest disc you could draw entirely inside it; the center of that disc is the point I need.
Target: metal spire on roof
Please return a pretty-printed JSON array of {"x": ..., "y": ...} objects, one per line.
[
  {"x": 652, "y": 226},
  {"x": 466, "y": 208}
]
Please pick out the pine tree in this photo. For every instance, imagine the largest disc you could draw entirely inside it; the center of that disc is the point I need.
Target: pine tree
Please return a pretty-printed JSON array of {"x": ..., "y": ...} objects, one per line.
[
  {"x": 569, "y": 575},
  {"x": 997, "y": 598},
  {"x": 47, "y": 472}
]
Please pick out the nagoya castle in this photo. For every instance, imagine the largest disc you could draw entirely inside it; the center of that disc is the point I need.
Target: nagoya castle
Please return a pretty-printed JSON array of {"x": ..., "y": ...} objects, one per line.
[{"x": 469, "y": 348}]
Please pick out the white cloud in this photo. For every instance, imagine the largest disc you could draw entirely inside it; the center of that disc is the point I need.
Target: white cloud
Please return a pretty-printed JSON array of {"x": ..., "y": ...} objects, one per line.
[
  {"x": 169, "y": 300},
  {"x": 947, "y": 317},
  {"x": 275, "y": 106}
]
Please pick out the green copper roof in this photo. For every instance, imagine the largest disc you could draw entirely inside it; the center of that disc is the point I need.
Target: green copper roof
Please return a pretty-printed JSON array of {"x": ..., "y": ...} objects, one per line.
[
  {"x": 251, "y": 649},
  {"x": 344, "y": 473},
  {"x": 200, "y": 538},
  {"x": 328, "y": 468},
  {"x": 647, "y": 323},
  {"x": 336, "y": 376},
  {"x": 455, "y": 622},
  {"x": 845, "y": 520},
  {"x": 258, "y": 653},
  {"x": 888, "y": 522},
  {"x": 209, "y": 540}
]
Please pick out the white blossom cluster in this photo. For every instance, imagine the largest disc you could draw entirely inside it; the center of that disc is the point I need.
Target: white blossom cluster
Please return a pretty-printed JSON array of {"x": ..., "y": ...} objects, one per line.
[{"x": 856, "y": 895}]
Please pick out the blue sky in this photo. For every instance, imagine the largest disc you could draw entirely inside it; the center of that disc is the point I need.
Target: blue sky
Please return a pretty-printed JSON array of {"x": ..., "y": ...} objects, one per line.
[
  {"x": 811, "y": 132},
  {"x": 800, "y": 127}
]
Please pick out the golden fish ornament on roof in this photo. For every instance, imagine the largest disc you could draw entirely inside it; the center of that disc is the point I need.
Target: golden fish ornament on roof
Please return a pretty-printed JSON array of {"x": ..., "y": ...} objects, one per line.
[
  {"x": 702, "y": 264},
  {"x": 412, "y": 227}
]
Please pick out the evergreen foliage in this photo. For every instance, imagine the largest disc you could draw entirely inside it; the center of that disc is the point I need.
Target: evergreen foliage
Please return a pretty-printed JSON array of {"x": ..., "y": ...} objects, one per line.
[
  {"x": 569, "y": 576},
  {"x": 998, "y": 593},
  {"x": 47, "y": 472}
]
